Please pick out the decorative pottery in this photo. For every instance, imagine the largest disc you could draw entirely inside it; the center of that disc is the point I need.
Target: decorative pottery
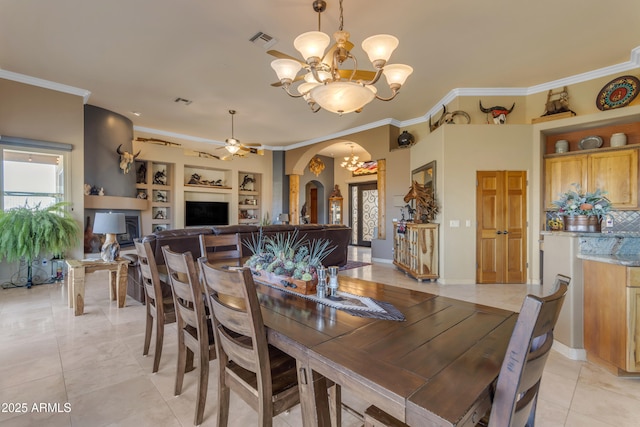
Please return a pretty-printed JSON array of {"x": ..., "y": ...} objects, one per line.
[
  {"x": 405, "y": 139},
  {"x": 304, "y": 287},
  {"x": 562, "y": 146},
  {"x": 582, "y": 223},
  {"x": 618, "y": 139}
]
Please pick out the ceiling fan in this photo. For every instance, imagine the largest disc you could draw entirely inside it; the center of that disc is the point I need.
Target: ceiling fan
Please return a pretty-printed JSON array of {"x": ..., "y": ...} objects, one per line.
[{"x": 235, "y": 148}]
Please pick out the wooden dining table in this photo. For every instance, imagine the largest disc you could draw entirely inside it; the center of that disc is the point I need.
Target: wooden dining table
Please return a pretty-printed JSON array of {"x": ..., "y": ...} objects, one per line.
[{"x": 435, "y": 368}]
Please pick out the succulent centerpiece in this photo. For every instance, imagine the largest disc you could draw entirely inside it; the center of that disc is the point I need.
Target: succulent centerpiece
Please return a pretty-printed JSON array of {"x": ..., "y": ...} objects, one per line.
[
  {"x": 582, "y": 211},
  {"x": 287, "y": 260}
]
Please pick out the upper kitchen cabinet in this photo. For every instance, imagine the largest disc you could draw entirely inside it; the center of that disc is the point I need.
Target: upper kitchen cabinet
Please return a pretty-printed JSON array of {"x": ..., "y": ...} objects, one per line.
[{"x": 593, "y": 162}]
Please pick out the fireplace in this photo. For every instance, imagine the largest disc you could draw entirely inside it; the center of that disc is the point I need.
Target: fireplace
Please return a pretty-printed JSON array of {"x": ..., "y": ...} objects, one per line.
[{"x": 132, "y": 223}]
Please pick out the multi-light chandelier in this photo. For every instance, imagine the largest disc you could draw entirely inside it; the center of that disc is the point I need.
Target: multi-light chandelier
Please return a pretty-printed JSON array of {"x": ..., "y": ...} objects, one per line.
[
  {"x": 351, "y": 162},
  {"x": 328, "y": 86}
]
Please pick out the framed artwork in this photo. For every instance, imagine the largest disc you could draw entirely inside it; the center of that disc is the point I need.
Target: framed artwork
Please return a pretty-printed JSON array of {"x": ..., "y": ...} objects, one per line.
[
  {"x": 425, "y": 175},
  {"x": 368, "y": 168}
]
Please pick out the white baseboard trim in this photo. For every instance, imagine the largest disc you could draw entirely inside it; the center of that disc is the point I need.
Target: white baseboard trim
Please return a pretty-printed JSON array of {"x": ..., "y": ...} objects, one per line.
[
  {"x": 569, "y": 352},
  {"x": 382, "y": 260}
]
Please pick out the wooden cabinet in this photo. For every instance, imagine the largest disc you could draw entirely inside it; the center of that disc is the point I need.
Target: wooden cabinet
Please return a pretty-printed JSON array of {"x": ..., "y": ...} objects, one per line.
[
  {"x": 613, "y": 170},
  {"x": 335, "y": 210},
  {"x": 415, "y": 250},
  {"x": 154, "y": 181},
  {"x": 249, "y": 185},
  {"x": 561, "y": 173},
  {"x": 617, "y": 172},
  {"x": 612, "y": 316}
]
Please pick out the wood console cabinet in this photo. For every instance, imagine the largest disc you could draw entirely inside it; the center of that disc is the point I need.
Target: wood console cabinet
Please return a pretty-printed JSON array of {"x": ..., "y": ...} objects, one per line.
[
  {"x": 416, "y": 250},
  {"x": 612, "y": 316}
]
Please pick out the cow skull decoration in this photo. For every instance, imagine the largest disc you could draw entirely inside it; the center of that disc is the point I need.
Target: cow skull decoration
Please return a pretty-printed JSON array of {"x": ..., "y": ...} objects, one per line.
[
  {"x": 126, "y": 159},
  {"x": 499, "y": 113}
]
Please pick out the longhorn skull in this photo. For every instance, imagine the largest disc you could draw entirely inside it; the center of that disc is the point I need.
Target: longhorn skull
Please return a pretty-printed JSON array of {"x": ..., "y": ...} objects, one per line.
[
  {"x": 499, "y": 113},
  {"x": 126, "y": 159}
]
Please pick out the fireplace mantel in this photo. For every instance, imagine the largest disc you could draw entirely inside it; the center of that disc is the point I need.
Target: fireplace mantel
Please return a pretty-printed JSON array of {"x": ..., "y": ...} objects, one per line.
[{"x": 115, "y": 203}]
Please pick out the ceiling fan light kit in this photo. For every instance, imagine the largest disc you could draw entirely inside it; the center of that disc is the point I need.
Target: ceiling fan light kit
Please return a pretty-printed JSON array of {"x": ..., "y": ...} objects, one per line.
[{"x": 326, "y": 84}]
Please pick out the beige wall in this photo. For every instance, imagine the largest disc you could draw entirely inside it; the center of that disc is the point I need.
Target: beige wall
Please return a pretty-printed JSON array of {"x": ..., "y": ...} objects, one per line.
[{"x": 36, "y": 113}]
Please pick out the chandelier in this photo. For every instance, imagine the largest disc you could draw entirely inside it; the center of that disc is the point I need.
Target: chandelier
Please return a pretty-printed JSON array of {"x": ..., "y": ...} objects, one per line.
[
  {"x": 351, "y": 162},
  {"x": 327, "y": 85}
]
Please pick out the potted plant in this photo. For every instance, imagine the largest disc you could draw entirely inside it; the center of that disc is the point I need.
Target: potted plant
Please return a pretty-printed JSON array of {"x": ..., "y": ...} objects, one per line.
[
  {"x": 583, "y": 211},
  {"x": 287, "y": 260},
  {"x": 26, "y": 231}
]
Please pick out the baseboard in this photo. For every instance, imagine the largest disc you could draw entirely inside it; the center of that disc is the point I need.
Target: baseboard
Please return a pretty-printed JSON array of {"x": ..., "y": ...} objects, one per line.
[
  {"x": 569, "y": 352},
  {"x": 382, "y": 260}
]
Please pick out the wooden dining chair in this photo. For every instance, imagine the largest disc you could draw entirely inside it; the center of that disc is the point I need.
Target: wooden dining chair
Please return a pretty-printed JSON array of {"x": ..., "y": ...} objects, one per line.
[
  {"x": 193, "y": 323},
  {"x": 160, "y": 307},
  {"x": 516, "y": 390},
  {"x": 260, "y": 374},
  {"x": 220, "y": 246}
]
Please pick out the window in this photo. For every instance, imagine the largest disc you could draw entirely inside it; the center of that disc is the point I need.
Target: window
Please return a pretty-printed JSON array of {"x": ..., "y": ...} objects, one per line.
[{"x": 31, "y": 177}]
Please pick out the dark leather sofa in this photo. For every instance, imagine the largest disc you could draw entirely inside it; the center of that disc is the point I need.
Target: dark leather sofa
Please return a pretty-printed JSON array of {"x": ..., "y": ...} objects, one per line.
[{"x": 187, "y": 239}]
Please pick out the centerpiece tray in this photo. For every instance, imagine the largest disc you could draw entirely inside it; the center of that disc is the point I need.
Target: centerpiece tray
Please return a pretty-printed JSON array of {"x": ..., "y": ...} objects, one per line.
[{"x": 304, "y": 287}]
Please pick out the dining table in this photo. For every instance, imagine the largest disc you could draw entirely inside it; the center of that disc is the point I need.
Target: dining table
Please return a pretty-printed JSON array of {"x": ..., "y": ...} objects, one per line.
[{"x": 434, "y": 367}]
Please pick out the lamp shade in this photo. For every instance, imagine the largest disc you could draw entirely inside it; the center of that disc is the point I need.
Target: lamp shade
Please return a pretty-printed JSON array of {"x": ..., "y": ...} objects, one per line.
[
  {"x": 342, "y": 97},
  {"x": 380, "y": 47},
  {"x": 397, "y": 73},
  {"x": 312, "y": 44},
  {"x": 286, "y": 69},
  {"x": 109, "y": 223}
]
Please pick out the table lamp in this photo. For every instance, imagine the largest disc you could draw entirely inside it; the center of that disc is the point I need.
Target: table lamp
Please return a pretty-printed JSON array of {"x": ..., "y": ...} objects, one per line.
[
  {"x": 109, "y": 224},
  {"x": 283, "y": 218}
]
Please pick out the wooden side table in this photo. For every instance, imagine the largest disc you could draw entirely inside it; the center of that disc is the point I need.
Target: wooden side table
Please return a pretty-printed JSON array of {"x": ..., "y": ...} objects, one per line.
[{"x": 79, "y": 268}]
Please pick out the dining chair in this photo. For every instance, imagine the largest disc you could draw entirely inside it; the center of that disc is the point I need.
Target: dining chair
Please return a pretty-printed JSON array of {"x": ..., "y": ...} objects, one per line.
[
  {"x": 193, "y": 323},
  {"x": 515, "y": 394},
  {"x": 220, "y": 246},
  {"x": 260, "y": 374},
  {"x": 158, "y": 300}
]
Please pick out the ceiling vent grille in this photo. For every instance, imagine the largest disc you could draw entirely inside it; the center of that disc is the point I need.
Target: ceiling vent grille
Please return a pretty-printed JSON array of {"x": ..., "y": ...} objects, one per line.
[{"x": 263, "y": 39}]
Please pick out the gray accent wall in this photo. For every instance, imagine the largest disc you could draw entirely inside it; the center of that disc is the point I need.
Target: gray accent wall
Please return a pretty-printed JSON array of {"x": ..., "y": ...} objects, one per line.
[{"x": 104, "y": 131}]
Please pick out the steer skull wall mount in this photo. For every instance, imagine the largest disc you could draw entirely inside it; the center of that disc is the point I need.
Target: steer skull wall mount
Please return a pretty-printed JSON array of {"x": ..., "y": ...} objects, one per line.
[
  {"x": 499, "y": 113},
  {"x": 126, "y": 159}
]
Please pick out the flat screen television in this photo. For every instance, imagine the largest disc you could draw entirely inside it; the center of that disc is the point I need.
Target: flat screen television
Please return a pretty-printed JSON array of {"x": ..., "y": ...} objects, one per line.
[{"x": 206, "y": 213}]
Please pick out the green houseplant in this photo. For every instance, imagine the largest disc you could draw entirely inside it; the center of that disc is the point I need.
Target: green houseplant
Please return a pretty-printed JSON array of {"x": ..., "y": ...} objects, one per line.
[{"x": 26, "y": 231}]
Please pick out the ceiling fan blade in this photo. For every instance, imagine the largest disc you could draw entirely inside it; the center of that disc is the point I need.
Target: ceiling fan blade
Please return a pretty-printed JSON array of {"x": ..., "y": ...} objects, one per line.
[
  {"x": 281, "y": 55},
  {"x": 328, "y": 57},
  {"x": 297, "y": 79},
  {"x": 364, "y": 75}
]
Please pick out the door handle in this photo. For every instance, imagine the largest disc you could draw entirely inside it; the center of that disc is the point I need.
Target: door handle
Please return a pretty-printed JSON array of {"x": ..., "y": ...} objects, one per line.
[
  {"x": 505, "y": 232},
  {"x": 498, "y": 232}
]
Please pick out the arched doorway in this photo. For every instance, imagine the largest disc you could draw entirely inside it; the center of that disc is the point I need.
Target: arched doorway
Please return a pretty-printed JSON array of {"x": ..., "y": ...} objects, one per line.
[{"x": 313, "y": 209}]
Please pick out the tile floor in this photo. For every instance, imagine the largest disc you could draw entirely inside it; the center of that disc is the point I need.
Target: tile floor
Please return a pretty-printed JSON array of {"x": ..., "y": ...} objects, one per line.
[{"x": 93, "y": 364}]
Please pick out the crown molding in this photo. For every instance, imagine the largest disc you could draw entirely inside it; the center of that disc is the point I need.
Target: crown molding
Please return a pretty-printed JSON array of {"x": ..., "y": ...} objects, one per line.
[{"x": 46, "y": 84}]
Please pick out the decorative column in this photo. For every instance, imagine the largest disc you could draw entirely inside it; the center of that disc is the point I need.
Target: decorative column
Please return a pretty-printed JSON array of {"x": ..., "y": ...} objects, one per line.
[
  {"x": 382, "y": 199},
  {"x": 294, "y": 199}
]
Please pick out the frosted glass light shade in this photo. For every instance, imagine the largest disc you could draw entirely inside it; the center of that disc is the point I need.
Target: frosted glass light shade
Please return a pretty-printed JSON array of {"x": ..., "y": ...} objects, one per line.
[
  {"x": 323, "y": 75},
  {"x": 380, "y": 47},
  {"x": 232, "y": 145},
  {"x": 312, "y": 44},
  {"x": 397, "y": 73},
  {"x": 305, "y": 89},
  {"x": 286, "y": 68},
  {"x": 342, "y": 97}
]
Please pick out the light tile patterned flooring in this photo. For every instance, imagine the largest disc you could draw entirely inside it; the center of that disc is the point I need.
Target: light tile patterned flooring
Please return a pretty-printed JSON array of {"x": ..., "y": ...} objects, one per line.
[{"x": 94, "y": 364}]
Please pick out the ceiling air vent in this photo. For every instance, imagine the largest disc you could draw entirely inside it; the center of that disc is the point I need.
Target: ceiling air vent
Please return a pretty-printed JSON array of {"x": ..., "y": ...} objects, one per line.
[
  {"x": 263, "y": 39},
  {"x": 182, "y": 101}
]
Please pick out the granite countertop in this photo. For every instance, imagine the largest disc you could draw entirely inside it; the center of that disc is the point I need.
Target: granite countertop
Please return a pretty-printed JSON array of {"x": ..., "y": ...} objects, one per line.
[
  {"x": 632, "y": 260},
  {"x": 577, "y": 234}
]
